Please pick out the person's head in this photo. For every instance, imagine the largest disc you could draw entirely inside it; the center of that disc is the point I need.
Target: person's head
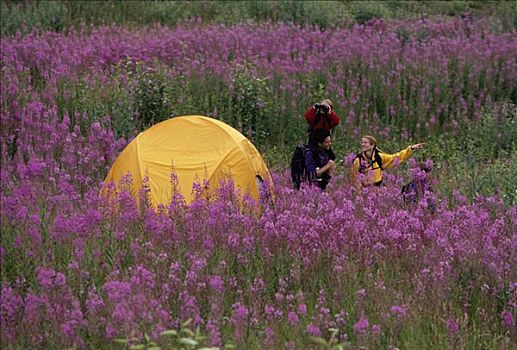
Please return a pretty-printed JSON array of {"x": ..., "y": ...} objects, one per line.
[
  {"x": 368, "y": 143},
  {"x": 321, "y": 138},
  {"x": 328, "y": 103}
]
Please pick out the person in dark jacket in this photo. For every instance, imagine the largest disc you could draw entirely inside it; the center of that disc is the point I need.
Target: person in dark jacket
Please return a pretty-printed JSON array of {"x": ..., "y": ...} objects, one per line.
[
  {"x": 419, "y": 186},
  {"x": 321, "y": 116},
  {"x": 319, "y": 159}
]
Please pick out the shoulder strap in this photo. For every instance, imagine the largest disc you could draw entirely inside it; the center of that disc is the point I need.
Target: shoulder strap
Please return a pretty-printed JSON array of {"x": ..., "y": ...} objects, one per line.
[{"x": 378, "y": 158}]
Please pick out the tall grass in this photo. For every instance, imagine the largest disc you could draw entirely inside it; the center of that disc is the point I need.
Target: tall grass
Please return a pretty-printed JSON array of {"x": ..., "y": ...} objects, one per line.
[{"x": 25, "y": 16}]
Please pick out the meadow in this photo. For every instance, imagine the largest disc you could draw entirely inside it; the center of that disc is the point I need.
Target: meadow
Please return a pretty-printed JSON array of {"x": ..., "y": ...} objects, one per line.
[{"x": 336, "y": 270}]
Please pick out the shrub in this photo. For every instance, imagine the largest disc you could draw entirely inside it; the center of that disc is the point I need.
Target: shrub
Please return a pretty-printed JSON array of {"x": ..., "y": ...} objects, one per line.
[
  {"x": 40, "y": 15},
  {"x": 250, "y": 104},
  {"x": 366, "y": 11}
]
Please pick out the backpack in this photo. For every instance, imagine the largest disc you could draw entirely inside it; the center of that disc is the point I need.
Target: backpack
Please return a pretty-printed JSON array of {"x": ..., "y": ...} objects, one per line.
[
  {"x": 299, "y": 171},
  {"x": 376, "y": 157}
]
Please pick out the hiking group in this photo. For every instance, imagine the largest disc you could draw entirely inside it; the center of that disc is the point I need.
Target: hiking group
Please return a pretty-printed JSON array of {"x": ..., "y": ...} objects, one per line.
[{"x": 314, "y": 163}]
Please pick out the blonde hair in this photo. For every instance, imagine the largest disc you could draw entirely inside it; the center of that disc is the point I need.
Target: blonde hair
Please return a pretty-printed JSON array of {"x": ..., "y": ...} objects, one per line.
[
  {"x": 370, "y": 139},
  {"x": 327, "y": 102}
]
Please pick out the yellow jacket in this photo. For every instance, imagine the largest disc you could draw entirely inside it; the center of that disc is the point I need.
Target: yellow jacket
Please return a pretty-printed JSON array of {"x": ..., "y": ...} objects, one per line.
[{"x": 370, "y": 168}]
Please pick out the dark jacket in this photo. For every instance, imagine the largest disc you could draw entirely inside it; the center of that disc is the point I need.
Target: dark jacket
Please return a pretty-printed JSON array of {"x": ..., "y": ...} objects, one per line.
[{"x": 317, "y": 158}]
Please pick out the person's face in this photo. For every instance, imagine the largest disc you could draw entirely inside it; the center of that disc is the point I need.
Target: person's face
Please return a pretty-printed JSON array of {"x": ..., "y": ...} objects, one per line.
[
  {"x": 326, "y": 143},
  {"x": 366, "y": 145}
]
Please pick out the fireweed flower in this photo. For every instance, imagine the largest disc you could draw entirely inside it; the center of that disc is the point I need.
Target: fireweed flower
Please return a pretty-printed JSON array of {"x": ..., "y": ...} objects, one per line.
[
  {"x": 349, "y": 159},
  {"x": 453, "y": 327},
  {"x": 507, "y": 319},
  {"x": 117, "y": 291},
  {"x": 11, "y": 311},
  {"x": 94, "y": 303},
  {"x": 313, "y": 330},
  {"x": 143, "y": 277},
  {"x": 292, "y": 318},
  {"x": 49, "y": 278},
  {"x": 239, "y": 320},
  {"x": 302, "y": 309},
  {"x": 122, "y": 313},
  {"x": 269, "y": 335},
  {"x": 214, "y": 334},
  {"x": 269, "y": 311},
  {"x": 399, "y": 311},
  {"x": 341, "y": 318},
  {"x": 361, "y": 326},
  {"x": 217, "y": 284}
]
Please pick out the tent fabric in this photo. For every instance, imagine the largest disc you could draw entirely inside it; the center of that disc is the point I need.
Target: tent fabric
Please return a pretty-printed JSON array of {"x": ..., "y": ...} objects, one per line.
[{"x": 194, "y": 148}]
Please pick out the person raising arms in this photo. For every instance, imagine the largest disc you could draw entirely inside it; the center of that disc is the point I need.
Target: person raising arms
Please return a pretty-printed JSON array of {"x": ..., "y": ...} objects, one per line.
[
  {"x": 321, "y": 116},
  {"x": 371, "y": 162}
]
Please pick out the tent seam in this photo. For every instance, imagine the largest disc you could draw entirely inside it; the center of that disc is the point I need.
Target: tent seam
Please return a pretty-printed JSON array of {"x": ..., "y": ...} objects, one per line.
[{"x": 138, "y": 157}]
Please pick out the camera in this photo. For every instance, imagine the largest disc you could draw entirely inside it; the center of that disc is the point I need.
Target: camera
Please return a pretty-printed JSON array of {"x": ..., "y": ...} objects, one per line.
[{"x": 321, "y": 108}]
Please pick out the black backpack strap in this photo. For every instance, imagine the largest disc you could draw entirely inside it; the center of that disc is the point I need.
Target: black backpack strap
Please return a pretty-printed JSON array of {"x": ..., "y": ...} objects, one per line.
[{"x": 378, "y": 158}]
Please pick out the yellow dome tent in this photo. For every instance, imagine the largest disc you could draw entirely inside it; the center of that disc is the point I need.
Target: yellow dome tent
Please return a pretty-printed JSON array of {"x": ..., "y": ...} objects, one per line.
[{"x": 196, "y": 149}]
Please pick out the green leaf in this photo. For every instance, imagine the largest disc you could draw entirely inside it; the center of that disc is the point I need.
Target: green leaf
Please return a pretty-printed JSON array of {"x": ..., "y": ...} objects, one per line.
[
  {"x": 188, "y": 342},
  {"x": 188, "y": 332},
  {"x": 186, "y": 323},
  {"x": 169, "y": 333},
  {"x": 137, "y": 347},
  {"x": 121, "y": 341}
]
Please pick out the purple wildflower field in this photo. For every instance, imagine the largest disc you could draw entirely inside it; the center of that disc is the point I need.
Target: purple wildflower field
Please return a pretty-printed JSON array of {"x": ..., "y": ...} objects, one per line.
[{"x": 344, "y": 267}]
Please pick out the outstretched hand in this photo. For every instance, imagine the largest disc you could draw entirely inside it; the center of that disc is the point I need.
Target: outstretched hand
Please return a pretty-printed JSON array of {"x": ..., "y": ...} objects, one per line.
[{"x": 418, "y": 146}]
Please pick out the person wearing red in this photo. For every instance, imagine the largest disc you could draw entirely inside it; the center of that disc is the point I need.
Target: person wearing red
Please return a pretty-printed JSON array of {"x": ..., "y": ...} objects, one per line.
[{"x": 321, "y": 116}]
